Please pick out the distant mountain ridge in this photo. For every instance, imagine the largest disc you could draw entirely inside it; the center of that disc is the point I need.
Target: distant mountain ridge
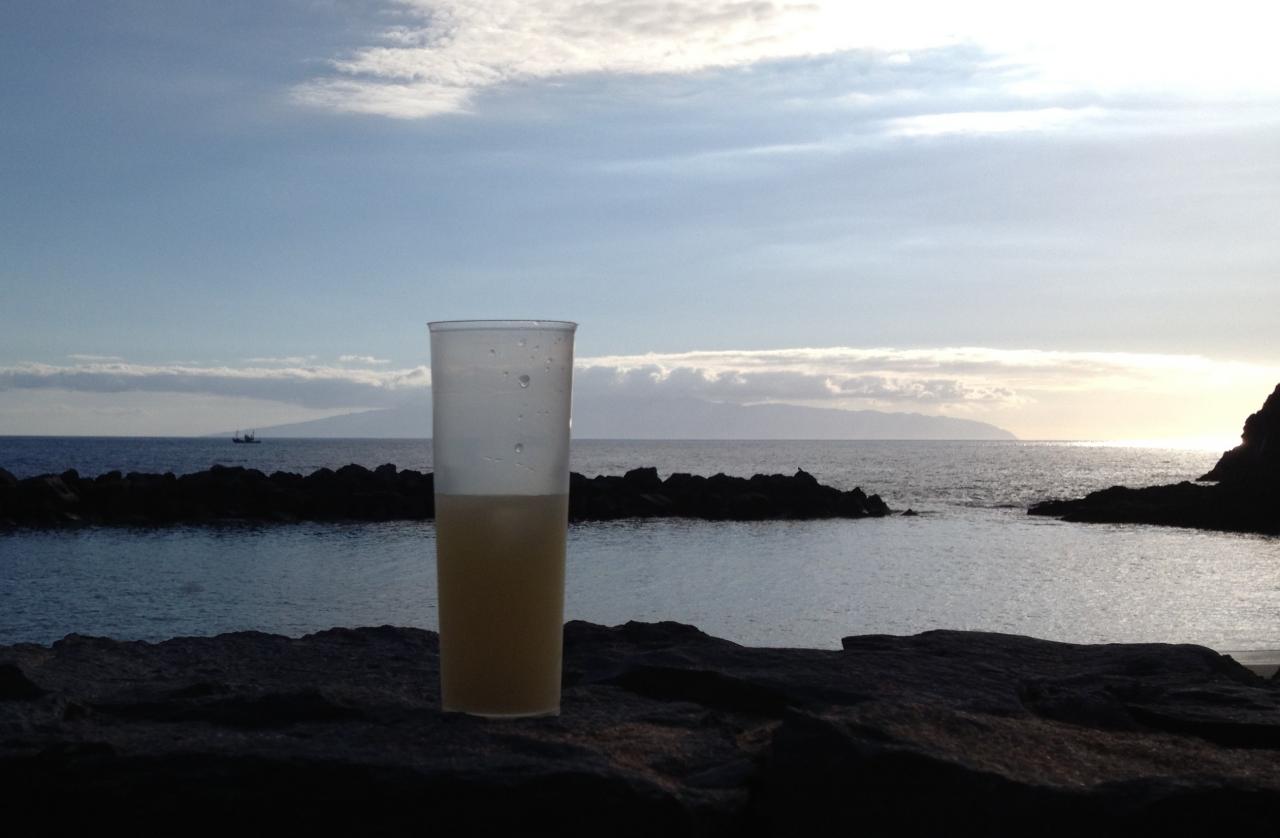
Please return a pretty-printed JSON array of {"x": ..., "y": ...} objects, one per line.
[{"x": 674, "y": 419}]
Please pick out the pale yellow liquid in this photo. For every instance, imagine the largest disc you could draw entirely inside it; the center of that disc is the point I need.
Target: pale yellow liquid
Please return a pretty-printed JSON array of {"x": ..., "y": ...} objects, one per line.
[{"x": 500, "y": 566}]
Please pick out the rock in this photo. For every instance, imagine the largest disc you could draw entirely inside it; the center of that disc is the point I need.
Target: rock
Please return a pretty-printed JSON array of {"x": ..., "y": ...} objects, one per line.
[
  {"x": 356, "y": 493},
  {"x": 16, "y": 686},
  {"x": 1256, "y": 460},
  {"x": 1246, "y": 498},
  {"x": 665, "y": 730},
  {"x": 806, "y": 479},
  {"x": 46, "y": 499},
  {"x": 8, "y": 498},
  {"x": 642, "y": 479},
  {"x": 1185, "y": 504},
  {"x": 1229, "y": 508}
]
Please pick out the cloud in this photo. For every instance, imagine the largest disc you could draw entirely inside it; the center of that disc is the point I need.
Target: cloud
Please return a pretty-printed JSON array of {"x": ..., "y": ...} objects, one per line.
[
  {"x": 55, "y": 412},
  {"x": 1036, "y": 393},
  {"x": 989, "y": 122},
  {"x": 832, "y": 386},
  {"x": 967, "y": 379},
  {"x": 924, "y": 390},
  {"x": 361, "y": 359},
  {"x": 76, "y": 356},
  {"x": 448, "y": 50},
  {"x": 439, "y": 55},
  {"x": 286, "y": 360},
  {"x": 310, "y": 386}
]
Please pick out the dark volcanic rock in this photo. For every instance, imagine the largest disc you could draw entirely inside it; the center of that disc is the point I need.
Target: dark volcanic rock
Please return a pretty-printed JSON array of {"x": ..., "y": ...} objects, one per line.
[
  {"x": 1246, "y": 499},
  {"x": 356, "y": 493},
  {"x": 1256, "y": 460},
  {"x": 641, "y": 494},
  {"x": 1231, "y": 508},
  {"x": 16, "y": 686},
  {"x": 665, "y": 730}
]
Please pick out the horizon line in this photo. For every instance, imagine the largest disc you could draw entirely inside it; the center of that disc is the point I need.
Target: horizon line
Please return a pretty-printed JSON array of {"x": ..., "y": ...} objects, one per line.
[{"x": 1193, "y": 443}]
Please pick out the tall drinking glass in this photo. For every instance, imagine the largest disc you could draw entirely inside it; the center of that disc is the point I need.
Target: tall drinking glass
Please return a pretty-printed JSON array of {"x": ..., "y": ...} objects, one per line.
[{"x": 500, "y": 445}]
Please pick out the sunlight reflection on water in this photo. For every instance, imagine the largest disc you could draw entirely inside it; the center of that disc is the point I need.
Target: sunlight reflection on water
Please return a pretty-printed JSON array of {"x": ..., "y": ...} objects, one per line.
[{"x": 789, "y": 583}]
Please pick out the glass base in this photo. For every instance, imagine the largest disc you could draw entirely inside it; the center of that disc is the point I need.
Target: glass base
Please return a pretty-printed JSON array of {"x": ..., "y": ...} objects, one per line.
[{"x": 535, "y": 714}]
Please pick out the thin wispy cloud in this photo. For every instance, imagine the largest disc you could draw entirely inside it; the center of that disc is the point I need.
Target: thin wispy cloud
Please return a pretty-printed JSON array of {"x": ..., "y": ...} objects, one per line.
[
  {"x": 439, "y": 55},
  {"x": 990, "y": 122},
  {"x": 77, "y": 356},
  {"x": 310, "y": 386},
  {"x": 286, "y": 360},
  {"x": 362, "y": 359}
]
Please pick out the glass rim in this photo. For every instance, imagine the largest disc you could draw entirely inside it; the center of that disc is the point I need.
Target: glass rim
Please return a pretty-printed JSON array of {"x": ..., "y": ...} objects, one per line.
[{"x": 493, "y": 325}]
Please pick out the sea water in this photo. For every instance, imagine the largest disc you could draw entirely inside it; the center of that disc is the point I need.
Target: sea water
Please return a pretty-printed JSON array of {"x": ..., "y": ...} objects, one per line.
[{"x": 972, "y": 559}]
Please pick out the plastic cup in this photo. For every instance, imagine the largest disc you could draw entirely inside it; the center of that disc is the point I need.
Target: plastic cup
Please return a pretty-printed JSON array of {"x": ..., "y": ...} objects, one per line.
[{"x": 501, "y": 394}]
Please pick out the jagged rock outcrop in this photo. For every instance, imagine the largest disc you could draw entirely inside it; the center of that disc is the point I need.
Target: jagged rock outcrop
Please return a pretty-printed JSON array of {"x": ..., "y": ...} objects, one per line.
[
  {"x": 1256, "y": 460},
  {"x": 664, "y": 731},
  {"x": 641, "y": 494},
  {"x": 1228, "y": 508},
  {"x": 385, "y": 493},
  {"x": 1245, "y": 499}
]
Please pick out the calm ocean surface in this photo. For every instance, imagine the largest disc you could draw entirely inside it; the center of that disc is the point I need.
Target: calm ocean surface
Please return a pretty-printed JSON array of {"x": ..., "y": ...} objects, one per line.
[{"x": 973, "y": 559}]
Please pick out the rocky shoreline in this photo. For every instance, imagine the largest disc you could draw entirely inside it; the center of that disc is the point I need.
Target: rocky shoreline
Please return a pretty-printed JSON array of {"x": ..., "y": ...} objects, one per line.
[
  {"x": 1245, "y": 499},
  {"x": 1185, "y": 504},
  {"x": 387, "y": 493},
  {"x": 664, "y": 730}
]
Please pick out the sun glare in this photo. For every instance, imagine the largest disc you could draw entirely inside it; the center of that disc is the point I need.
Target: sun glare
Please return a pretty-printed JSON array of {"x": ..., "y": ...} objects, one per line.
[{"x": 1186, "y": 443}]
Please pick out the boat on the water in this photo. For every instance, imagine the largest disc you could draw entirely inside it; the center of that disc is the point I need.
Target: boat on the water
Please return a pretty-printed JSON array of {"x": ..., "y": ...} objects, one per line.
[{"x": 248, "y": 437}]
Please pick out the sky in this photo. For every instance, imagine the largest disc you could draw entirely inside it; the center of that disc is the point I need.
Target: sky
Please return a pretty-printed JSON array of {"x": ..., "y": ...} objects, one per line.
[{"x": 1060, "y": 218}]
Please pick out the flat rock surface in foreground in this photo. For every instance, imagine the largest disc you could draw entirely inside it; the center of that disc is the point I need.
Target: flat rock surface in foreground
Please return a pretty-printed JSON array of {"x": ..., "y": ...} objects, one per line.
[{"x": 664, "y": 731}]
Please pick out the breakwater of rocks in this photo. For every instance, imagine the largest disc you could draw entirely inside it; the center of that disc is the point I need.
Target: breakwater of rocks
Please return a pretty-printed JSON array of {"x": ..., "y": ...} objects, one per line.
[{"x": 386, "y": 493}]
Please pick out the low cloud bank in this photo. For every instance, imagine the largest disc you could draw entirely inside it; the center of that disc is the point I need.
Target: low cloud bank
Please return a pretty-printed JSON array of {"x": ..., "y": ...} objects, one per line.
[
  {"x": 306, "y": 386},
  {"x": 1032, "y": 392}
]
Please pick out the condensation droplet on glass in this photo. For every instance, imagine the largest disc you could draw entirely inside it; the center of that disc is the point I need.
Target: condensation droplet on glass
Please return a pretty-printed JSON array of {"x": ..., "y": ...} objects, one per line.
[
  {"x": 522, "y": 341},
  {"x": 493, "y": 351},
  {"x": 519, "y": 447},
  {"x": 519, "y": 417},
  {"x": 506, "y": 372},
  {"x": 524, "y": 381}
]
